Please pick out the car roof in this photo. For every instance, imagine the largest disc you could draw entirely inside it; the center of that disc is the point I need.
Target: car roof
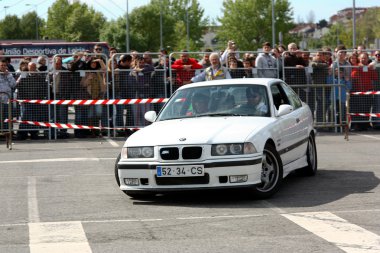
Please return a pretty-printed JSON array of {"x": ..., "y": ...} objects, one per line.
[{"x": 258, "y": 81}]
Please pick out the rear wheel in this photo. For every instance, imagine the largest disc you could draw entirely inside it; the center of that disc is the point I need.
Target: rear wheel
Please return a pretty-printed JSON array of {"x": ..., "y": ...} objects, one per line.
[{"x": 271, "y": 173}]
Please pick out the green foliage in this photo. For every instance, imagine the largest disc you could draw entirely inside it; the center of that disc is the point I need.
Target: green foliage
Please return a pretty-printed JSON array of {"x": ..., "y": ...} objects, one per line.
[
  {"x": 28, "y": 24},
  {"x": 83, "y": 24},
  {"x": 114, "y": 32},
  {"x": 73, "y": 22},
  {"x": 9, "y": 27},
  {"x": 249, "y": 22},
  {"x": 367, "y": 29},
  {"x": 57, "y": 16},
  {"x": 322, "y": 23},
  {"x": 144, "y": 26}
]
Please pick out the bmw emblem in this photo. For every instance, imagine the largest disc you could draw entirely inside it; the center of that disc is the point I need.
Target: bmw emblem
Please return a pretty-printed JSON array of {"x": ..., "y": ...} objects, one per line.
[{"x": 182, "y": 139}]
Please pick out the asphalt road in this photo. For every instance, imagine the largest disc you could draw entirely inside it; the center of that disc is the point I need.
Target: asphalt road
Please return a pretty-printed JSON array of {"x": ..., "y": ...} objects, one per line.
[{"x": 61, "y": 196}]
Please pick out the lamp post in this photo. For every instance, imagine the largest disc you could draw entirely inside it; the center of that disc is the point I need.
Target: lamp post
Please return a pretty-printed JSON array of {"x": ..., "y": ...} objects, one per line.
[
  {"x": 187, "y": 26},
  {"x": 127, "y": 29},
  {"x": 35, "y": 6},
  {"x": 161, "y": 42},
  {"x": 273, "y": 26},
  {"x": 353, "y": 25},
  {"x": 5, "y": 10}
]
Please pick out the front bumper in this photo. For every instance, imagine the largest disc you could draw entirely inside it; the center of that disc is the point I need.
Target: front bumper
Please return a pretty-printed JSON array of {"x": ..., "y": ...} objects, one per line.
[{"x": 218, "y": 174}]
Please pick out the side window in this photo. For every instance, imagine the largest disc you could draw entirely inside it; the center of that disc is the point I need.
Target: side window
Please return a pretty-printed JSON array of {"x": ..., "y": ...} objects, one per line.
[
  {"x": 279, "y": 96},
  {"x": 293, "y": 98}
]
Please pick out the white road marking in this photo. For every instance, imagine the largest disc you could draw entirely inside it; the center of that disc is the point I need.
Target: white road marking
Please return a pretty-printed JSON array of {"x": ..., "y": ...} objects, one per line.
[
  {"x": 58, "y": 237},
  {"x": 33, "y": 212},
  {"x": 368, "y": 136},
  {"x": 75, "y": 159},
  {"x": 112, "y": 142},
  {"x": 348, "y": 237},
  {"x": 273, "y": 207}
]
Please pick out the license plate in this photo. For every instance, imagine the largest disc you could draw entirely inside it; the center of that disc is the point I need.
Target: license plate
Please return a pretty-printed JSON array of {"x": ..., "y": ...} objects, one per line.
[{"x": 180, "y": 171}]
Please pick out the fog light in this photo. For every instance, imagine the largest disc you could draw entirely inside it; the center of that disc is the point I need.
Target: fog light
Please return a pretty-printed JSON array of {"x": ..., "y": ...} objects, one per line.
[
  {"x": 131, "y": 181},
  {"x": 238, "y": 179}
]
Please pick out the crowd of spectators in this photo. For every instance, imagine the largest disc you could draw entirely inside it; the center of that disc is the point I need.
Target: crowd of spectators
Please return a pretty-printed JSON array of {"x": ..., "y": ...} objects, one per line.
[{"x": 320, "y": 77}]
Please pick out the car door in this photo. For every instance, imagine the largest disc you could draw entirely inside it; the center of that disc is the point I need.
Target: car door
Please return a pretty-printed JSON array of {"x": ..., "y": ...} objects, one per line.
[{"x": 290, "y": 143}]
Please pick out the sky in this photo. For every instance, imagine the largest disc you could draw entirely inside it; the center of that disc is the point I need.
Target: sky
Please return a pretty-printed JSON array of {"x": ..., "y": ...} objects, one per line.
[{"x": 112, "y": 9}]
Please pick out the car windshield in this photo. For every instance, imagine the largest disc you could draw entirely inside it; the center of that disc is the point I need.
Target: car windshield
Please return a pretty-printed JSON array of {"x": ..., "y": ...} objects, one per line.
[{"x": 217, "y": 100}]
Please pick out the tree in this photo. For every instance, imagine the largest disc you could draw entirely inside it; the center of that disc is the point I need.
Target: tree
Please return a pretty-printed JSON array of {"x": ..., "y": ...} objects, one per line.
[
  {"x": 338, "y": 34},
  {"x": 73, "y": 22},
  {"x": 84, "y": 24},
  {"x": 249, "y": 22},
  {"x": 185, "y": 11},
  {"x": 114, "y": 33},
  {"x": 28, "y": 25},
  {"x": 322, "y": 23},
  {"x": 56, "y": 21},
  {"x": 368, "y": 27},
  {"x": 10, "y": 28},
  {"x": 144, "y": 26}
]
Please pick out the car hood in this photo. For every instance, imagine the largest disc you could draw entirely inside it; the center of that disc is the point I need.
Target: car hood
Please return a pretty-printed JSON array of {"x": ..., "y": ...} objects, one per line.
[{"x": 202, "y": 130}]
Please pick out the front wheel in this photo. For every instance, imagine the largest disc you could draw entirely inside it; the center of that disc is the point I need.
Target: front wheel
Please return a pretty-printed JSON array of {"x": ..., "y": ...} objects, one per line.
[
  {"x": 140, "y": 194},
  {"x": 132, "y": 194},
  {"x": 116, "y": 170},
  {"x": 311, "y": 157},
  {"x": 271, "y": 173}
]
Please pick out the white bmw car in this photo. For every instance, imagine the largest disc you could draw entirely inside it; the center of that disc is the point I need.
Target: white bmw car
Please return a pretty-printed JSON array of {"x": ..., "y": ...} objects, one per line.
[{"x": 245, "y": 133}]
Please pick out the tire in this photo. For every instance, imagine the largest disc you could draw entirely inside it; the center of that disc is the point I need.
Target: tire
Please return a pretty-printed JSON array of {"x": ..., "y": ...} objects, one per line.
[
  {"x": 311, "y": 157},
  {"x": 271, "y": 174},
  {"x": 140, "y": 194},
  {"x": 132, "y": 194},
  {"x": 117, "y": 170}
]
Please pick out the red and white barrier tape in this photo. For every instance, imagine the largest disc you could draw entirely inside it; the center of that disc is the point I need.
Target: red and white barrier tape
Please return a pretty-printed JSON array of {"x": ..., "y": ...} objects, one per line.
[
  {"x": 95, "y": 102},
  {"x": 64, "y": 126},
  {"x": 374, "y": 115},
  {"x": 366, "y": 93}
]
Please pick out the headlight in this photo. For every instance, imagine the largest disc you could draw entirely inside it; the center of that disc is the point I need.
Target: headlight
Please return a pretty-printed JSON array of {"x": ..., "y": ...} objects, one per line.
[
  {"x": 137, "y": 152},
  {"x": 232, "y": 149}
]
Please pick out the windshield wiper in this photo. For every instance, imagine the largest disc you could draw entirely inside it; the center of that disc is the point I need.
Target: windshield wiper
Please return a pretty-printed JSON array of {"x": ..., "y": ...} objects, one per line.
[{"x": 223, "y": 114}]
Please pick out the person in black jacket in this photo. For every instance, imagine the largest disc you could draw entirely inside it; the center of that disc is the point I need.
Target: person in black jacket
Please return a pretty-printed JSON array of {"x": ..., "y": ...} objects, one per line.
[
  {"x": 33, "y": 86},
  {"x": 295, "y": 70}
]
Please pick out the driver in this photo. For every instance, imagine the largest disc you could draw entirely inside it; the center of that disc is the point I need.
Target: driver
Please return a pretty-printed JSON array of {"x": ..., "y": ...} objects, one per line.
[{"x": 199, "y": 103}]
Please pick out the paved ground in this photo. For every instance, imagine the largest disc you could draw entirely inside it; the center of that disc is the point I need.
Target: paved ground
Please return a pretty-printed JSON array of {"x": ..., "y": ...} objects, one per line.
[{"x": 61, "y": 196}]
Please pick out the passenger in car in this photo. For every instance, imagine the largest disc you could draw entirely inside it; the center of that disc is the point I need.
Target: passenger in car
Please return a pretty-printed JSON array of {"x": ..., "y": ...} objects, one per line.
[{"x": 255, "y": 103}]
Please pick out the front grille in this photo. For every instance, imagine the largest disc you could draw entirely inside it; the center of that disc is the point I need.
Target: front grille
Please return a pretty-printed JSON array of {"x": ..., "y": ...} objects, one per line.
[
  {"x": 191, "y": 152},
  {"x": 169, "y": 153},
  {"x": 182, "y": 180}
]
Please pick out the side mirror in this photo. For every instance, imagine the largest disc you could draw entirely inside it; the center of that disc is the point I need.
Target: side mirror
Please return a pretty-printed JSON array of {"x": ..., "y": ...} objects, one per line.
[
  {"x": 150, "y": 116},
  {"x": 284, "y": 109}
]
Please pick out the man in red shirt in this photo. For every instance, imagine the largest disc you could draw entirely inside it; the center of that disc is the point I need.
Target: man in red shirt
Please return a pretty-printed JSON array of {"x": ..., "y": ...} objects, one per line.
[
  {"x": 363, "y": 78},
  {"x": 184, "y": 69}
]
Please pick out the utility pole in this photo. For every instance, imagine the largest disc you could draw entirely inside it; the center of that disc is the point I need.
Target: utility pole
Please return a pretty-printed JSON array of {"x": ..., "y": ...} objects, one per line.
[
  {"x": 353, "y": 25},
  {"x": 273, "y": 26},
  {"x": 127, "y": 29}
]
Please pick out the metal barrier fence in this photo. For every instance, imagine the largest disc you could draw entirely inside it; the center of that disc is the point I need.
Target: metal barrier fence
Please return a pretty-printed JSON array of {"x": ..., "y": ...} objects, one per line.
[
  {"x": 5, "y": 113},
  {"x": 125, "y": 77},
  {"x": 364, "y": 97}
]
